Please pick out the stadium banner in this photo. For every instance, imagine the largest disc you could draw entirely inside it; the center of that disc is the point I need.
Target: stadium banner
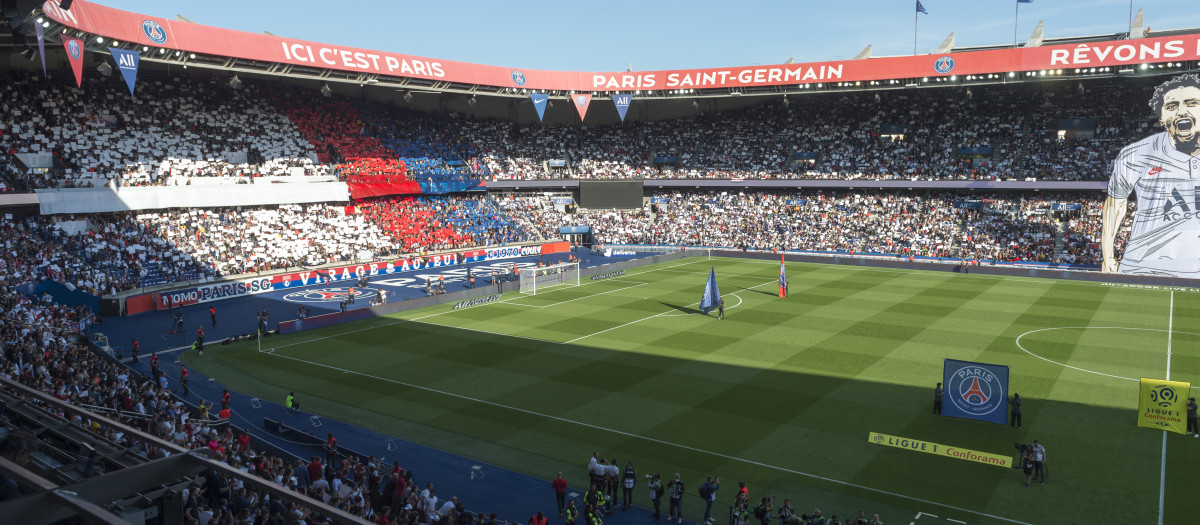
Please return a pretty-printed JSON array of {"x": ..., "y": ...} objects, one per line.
[
  {"x": 74, "y": 47},
  {"x": 796, "y": 202},
  {"x": 975, "y": 391},
  {"x": 41, "y": 38},
  {"x": 939, "y": 449},
  {"x": 128, "y": 198},
  {"x": 173, "y": 298},
  {"x": 555, "y": 247},
  {"x": 197, "y": 38},
  {"x": 582, "y": 101},
  {"x": 473, "y": 256},
  {"x": 230, "y": 289},
  {"x": 127, "y": 62},
  {"x": 622, "y": 101},
  {"x": 660, "y": 200},
  {"x": 343, "y": 273},
  {"x": 512, "y": 252},
  {"x": 539, "y": 104},
  {"x": 1162, "y": 404}
]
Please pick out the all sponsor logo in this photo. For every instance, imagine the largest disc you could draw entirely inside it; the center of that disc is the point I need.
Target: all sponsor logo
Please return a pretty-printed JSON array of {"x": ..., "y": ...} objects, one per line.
[
  {"x": 477, "y": 301},
  {"x": 154, "y": 32},
  {"x": 518, "y": 78},
  {"x": 608, "y": 275},
  {"x": 944, "y": 64},
  {"x": 335, "y": 294},
  {"x": 73, "y": 49}
]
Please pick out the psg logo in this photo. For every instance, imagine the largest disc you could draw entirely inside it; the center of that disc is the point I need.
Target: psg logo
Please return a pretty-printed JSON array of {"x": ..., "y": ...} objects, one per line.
[
  {"x": 328, "y": 295},
  {"x": 154, "y": 32},
  {"x": 944, "y": 65},
  {"x": 518, "y": 78},
  {"x": 73, "y": 49},
  {"x": 581, "y": 100},
  {"x": 975, "y": 390}
]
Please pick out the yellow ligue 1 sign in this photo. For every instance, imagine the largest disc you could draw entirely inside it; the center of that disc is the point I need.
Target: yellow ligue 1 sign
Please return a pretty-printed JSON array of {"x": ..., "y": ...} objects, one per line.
[
  {"x": 939, "y": 449},
  {"x": 1162, "y": 405}
]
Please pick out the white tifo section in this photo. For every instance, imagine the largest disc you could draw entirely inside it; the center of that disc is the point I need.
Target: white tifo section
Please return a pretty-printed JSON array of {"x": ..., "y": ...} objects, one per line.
[{"x": 535, "y": 279}]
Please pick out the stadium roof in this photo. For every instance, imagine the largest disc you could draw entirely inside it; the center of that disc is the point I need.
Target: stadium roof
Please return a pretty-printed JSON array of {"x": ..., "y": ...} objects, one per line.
[{"x": 186, "y": 43}]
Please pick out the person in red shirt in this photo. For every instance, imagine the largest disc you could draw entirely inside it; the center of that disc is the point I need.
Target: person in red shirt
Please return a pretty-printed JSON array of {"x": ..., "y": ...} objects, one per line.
[
  {"x": 560, "y": 492},
  {"x": 183, "y": 379},
  {"x": 225, "y": 399},
  {"x": 243, "y": 441},
  {"x": 330, "y": 449},
  {"x": 212, "y": 313}
]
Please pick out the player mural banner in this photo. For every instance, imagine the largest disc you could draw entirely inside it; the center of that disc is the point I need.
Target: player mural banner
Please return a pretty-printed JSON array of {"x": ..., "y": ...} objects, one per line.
[
  {"x": 975, "y": 391},
  {"x": 198, "y": 38},
  {"x": 1162, "y": 405}
]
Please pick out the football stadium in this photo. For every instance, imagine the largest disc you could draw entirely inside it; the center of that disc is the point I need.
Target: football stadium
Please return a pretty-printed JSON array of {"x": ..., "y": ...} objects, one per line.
[{"x": 257, "y": 279}]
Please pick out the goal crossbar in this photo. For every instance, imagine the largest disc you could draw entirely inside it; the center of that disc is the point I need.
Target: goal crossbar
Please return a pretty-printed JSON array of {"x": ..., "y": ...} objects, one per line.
[{"x": 534, "y": 280}]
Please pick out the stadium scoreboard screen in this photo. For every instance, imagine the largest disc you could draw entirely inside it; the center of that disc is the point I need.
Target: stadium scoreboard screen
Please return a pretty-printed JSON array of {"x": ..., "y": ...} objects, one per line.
[{"x": 623, "y": 195}]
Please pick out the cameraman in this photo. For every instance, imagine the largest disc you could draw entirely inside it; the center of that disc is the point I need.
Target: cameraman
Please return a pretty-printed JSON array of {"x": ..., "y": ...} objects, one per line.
[
  {"x": 708, "y": 492},
  {"x": 675, "y": 508},
  {"x": 1027, "y": 463},
  {"x": 1039, "y": 462},
  {"x": 656, "y": 490},
  {"x": 763, "y": 510}
]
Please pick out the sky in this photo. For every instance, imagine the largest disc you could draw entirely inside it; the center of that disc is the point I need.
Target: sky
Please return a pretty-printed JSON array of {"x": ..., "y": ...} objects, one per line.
[{"x": 663, "y": 34}]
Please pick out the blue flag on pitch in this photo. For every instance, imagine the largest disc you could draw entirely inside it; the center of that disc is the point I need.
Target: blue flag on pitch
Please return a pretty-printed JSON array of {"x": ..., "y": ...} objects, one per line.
[{"x": 712, "y": 296}]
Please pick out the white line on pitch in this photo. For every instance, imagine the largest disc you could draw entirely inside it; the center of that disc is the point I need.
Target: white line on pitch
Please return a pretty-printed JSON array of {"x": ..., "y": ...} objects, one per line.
[
  {"x": 1162, "y": 473},
  {"x": 654, "y": 440},
  {"x": 575, "y": 299}
]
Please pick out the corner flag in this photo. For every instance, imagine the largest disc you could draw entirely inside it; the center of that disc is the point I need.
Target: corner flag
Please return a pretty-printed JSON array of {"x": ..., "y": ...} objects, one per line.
[
  {"x": 712, "y": 296},
  {"x": 782, "y": 278}
]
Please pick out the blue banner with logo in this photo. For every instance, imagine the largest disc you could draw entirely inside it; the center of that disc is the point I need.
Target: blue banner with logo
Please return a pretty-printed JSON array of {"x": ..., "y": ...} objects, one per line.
[
  {"x": 1066, "y": 206},
  {"x": 127, "y": 62},
  {"x": 539, "y": 103},
  {"x": 622, "y": 100},
  {"x": 660, "y": 200},
  {"x": 970, "y": 205},
  {"x": 796, "y": 202},
  {"x": 975, "y": 391}
]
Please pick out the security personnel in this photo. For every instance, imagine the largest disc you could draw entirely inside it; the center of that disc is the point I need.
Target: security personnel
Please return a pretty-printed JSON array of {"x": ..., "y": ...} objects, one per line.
[
  {"x": 571, "y": 513},
  {"x": 183, "y": 379},
  {"x": 225, "y": 399},
  {"x": 200, "y": 339},
  {"x": 134, "y": 347}
]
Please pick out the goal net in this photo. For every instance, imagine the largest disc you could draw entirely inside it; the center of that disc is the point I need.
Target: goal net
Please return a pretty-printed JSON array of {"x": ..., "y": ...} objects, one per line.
[{"x": 534, "y": 280}]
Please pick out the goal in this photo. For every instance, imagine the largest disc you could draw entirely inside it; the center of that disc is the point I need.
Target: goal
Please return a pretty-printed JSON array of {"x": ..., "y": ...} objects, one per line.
[{"x": 534, "y": 280}]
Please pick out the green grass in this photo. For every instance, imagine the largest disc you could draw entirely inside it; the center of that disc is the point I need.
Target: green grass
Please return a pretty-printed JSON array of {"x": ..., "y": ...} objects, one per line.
[{"x": 782, "y": 393}]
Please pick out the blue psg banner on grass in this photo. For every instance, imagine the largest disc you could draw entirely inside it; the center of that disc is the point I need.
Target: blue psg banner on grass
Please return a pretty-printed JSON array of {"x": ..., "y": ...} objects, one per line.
[
  {"x": 975, "y": 391},
  {"x": 127, "y": 62},
  {"x": 539, "y": 103},
  {"x": 622, "y": 101}
]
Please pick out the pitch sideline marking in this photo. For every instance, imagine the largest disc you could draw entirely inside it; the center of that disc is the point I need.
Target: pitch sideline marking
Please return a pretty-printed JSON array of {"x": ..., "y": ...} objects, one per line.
[
  {"x": 653, "y": 440},
  {"x": 575, "y": 299},
  {"x": 1162, "y": 473}
]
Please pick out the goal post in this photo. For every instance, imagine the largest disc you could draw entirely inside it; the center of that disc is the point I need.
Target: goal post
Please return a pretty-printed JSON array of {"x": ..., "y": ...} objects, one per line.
[{"x": 534, "y": 280}]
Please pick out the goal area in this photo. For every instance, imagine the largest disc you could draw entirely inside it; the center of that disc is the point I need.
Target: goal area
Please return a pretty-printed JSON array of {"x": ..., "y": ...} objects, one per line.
[{"x": 534, "y": 280}]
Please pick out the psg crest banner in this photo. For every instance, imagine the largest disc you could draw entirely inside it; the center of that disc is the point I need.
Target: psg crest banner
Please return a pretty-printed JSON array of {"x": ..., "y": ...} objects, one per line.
[
  {"x": 581, "y": 102},
  {"x": 539, "y": 103},
  {"x": 622, "y": 101},
  {"x": 975, "y": 391},
  {"x": 74, "y": 47},
  {"x": 127, "y": 62}
]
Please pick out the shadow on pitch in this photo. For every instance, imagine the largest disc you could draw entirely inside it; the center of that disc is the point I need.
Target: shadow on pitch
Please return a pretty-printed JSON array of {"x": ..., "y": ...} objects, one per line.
[{"x": 681, "y": 308}]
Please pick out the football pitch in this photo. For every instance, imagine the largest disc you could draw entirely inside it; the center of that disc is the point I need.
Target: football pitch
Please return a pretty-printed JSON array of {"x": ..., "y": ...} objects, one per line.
[{"x": 783, "y": 393}]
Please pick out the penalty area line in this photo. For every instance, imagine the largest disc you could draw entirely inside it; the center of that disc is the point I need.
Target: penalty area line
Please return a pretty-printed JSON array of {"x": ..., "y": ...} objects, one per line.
[{"x": 651, "y": 439}]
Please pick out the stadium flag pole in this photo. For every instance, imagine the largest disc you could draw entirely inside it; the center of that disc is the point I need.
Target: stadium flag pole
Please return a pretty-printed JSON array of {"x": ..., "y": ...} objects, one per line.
[
  {"x": 782, "y": 278},
  {"x": 920, "y": 9},
  {"x": 712, "y": 296}
]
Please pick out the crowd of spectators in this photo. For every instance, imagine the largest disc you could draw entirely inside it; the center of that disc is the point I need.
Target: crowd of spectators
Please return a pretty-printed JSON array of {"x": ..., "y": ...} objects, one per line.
[
  {"x": 183, "y": 127},
  {"x": 176, "y": 128},
  {"x": 433, "y": 223},
  {"x": 993, "y": 227}
]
